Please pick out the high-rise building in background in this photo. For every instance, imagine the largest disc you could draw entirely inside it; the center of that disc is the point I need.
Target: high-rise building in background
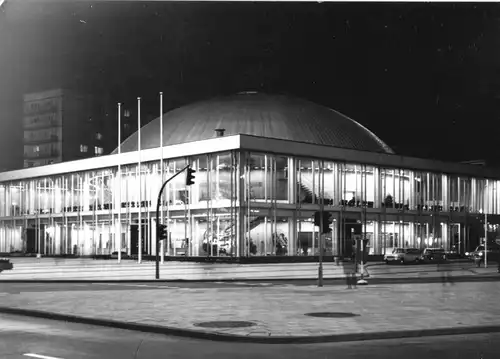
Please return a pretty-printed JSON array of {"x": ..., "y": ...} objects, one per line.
[{"x": 62, "y": 125}]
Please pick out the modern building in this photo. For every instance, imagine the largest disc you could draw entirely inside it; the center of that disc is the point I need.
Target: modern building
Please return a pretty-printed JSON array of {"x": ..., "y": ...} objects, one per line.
[
  {"x": 273, "y": 162},
  {"x": 63, "y": 125}
]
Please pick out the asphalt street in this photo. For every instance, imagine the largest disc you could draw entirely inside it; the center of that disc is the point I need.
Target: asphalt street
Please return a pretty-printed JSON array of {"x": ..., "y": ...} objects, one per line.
[{"x": 22, "y": 337}]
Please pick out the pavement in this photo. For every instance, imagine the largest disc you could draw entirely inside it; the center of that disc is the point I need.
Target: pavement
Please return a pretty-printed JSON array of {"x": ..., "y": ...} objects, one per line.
[
  {"x": 26, "y": 337},
  {"x": 272, "y": 313},
  {"x": 265, "y": 303},
  {"x": 58, "y": 269}
]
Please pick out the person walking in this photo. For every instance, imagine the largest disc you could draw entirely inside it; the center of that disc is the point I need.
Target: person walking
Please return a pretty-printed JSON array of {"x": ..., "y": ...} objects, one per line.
[
  {"x": 348, "y": 280},
  {"x": 354, "y": 280}
]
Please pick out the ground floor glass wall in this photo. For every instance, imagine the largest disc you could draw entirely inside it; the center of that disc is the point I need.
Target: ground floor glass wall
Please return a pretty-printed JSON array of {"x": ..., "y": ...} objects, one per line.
[{"x": 238, "y": 231}]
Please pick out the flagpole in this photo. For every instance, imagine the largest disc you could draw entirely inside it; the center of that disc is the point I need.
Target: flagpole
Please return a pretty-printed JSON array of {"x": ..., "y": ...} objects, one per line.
[
  {"x": 118, "y": 233},
  {"x": 139, "y": 254},
  {"x": 162, "y": 174}
]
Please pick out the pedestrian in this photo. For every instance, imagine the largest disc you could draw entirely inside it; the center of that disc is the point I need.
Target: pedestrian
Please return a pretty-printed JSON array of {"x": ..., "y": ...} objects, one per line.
[
  {"x": 446, "y": 278},
  {"x": 450, "y": 278},
  {"x": 354, "y": 280},
  {"x": 348, "y": 280}
]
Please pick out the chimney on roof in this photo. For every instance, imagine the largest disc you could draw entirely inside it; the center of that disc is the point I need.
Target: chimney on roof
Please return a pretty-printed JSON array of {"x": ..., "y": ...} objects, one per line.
[{"x": 219, "y": 132}]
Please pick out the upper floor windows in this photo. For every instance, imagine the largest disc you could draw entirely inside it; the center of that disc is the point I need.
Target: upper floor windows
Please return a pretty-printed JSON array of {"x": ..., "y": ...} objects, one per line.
[{"x": 98, "y": 151}]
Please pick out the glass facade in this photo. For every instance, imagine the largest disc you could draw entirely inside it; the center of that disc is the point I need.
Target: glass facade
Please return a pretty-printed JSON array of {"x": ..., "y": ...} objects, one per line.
[{"x": 245, "y": 204}]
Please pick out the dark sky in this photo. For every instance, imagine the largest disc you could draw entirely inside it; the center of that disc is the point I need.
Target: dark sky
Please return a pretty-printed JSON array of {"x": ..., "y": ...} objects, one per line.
[{"x": 423, "y": 77}]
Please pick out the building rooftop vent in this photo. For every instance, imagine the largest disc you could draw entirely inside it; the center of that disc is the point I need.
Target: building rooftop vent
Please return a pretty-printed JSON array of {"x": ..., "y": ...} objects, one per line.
[{"x": 219, "y": 132}]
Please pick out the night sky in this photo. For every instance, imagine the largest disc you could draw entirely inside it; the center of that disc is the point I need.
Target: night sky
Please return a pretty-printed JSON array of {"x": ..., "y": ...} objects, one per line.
[{"x": 424, "y": 77}]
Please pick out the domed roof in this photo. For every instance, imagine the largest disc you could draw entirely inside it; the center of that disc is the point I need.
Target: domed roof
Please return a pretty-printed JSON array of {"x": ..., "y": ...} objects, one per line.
[{"x": 263, "y": 115}]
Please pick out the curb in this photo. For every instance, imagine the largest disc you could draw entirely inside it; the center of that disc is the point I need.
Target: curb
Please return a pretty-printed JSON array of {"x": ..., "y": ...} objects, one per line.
[
  {"x": 179, "y": 332},
  {"x": 333, "y": 281},
  {"x": 213, "y": 280}
]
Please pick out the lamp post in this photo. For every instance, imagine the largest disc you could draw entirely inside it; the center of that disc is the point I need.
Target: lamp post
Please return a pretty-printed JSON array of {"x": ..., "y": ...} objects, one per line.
[
  {"x": 118, "y": 233},
  {"x": 485, "y": 226}
]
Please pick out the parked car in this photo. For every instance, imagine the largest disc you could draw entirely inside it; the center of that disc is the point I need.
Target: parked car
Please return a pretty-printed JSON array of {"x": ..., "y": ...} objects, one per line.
[
  {"x": 433, "y": 254},
  {"x": 114, "y": 255},
  {"x": 403, "y": 255},
  {"x": 478, "y": 254}
]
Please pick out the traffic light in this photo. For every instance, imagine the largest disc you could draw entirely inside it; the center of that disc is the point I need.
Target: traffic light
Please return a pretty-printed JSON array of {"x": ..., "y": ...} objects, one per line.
[
  {"x": 162, "y": 232},
  {"x": 189, "y": 176},
  {"x": 317, "y": 219},
  {"x": 327, "y": 221}
]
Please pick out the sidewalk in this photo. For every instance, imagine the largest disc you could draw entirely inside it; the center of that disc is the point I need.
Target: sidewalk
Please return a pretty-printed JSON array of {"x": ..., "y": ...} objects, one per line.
[
  {"x": 277, "y": 313},
  {"x": 81, "y": 270},
  {"x": 47, "y": 269},
  {"x": 456, "y": 269}
]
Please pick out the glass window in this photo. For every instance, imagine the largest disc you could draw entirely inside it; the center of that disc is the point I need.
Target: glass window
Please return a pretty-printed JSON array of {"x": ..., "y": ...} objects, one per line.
[
  {"x": 279, "y": 178},
  {"x": 465, "y": 193},
  {"x": 200, "y": 164},
  {"x": 387, "y": 180},
  {"x": 266, "y": 234},
  {"x": 330, "y": 183},
  {"x": 369, "y": 186},
  {"x": 496, "y": 196},
  {"x": 308, "y": 182},
  {"x": 421, "y": 190},
  {"x": 177, "y": 194},
  {"x": 436, "y": 192},
  {"x": 353, "y": 189},
  {"x": 214, "y": 235},
  {"x": 259, "y": 177},
  {"x": 222, "y": 180},
  {"x": 83, "y": 148},
  {"x": 16, "y": 192},
  {"x": 267, "y": 177},
  {"x": 479, "y": 198},
  {"x": 453, "y": 193}
]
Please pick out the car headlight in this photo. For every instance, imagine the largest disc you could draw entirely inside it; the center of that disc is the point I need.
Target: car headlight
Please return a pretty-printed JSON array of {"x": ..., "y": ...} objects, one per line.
[
  {"x": 481, "y": 254},
  {"x": 467, "y": 253}
]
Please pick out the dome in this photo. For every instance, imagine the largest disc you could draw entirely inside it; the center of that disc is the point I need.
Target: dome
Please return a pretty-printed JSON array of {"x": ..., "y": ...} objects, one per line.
[{"x": 263, "y": 115}]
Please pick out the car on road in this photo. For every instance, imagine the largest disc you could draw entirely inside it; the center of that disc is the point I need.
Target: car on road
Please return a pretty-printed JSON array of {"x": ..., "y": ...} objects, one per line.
[
  {"x": 403, "y": 255},
  {"x": 433, "y": 255}
]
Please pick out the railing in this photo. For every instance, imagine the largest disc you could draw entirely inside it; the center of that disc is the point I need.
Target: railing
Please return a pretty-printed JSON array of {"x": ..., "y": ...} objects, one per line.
[
  {"x": 47, "y": 154},
  {"x": 45, "y": 139},
  {"x": 28, "y": 111},
  {"x": 30, "y": 124}
]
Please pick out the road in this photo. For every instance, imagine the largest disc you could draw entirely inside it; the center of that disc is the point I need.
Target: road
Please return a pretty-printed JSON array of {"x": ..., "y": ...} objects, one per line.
[
  {"x": 52, "y": 339},
  {"x": 16, "y": 288}
]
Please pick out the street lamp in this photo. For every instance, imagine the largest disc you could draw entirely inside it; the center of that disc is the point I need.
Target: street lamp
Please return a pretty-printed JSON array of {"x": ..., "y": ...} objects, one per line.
[{"x": 485, "y": 226}]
